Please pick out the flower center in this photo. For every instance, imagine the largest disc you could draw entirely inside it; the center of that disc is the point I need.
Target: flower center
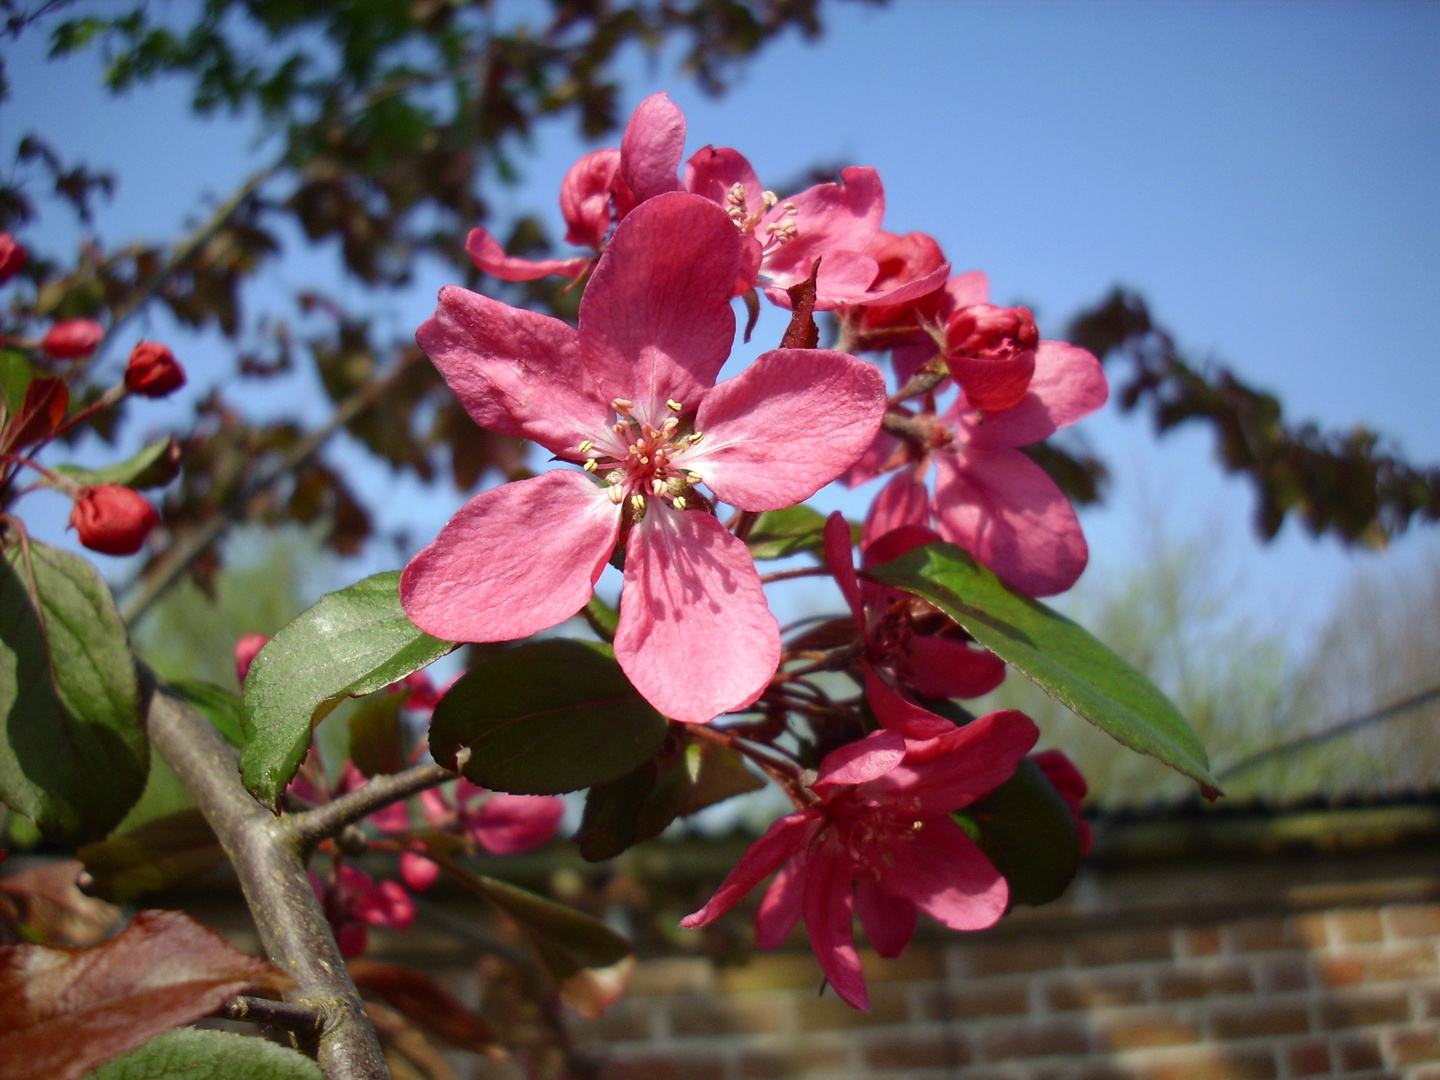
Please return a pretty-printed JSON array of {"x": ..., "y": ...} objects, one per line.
[
  {"x": 646, "y": 467},
  {"x": 773, "y": 234},
  {"x": 869, "y": 833}
]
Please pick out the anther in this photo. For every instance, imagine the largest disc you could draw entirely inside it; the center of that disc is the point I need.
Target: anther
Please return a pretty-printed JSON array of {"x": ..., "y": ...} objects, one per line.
[
  {"x": 679, "y": 502},
  {"x": 736, "y": 195},
  {"x": 668, "y": 428},
  {"x": 637, "y": 503},
  {"x": 621, "y": 405},
  {"x": 674, "y": 406},
  {"x": 591, "y": 466},
  {"x": 617, "y": 494},
  {"x": 694, "y": 438},
  {"x": 586, "y": 446},
  {"x": 769, "y": 199}
]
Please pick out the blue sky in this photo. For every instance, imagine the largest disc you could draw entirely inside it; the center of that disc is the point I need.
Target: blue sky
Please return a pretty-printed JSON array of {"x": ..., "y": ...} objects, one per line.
[{"x": 1267, "y": 174}]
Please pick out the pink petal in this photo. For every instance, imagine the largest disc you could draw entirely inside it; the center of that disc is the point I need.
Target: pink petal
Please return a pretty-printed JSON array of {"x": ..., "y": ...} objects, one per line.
[
  {"x": 515, "y": 372},
  {"x": 840, "y": 564},
  {"x": 971, "y": 287},
  {"x": 780, "y": 908},
  {"x": 829, "y": 904},
  {"x": 945, "y": 875},
  {"x": 387, "y": 904},
  {"x": 786, "y": 426},
  {"x": 845, "y": 278},
  {"x": 889, "y": 921},
  {"x": 651, "y": 148},
  {"x": 714, "y": 170},
  {"x": 439, "y": 811},
  {"x": 394, "y": 818},
  {"x": 246, "y": 649},
  {"x": 896, "y": 542},
  {"x": 1006, "y": 511},
  {"x": 656, "y": 323},
  {"x": 862, "y": 760},
  {"x": 873, "y": 461},
  {"x": 418, "y": 872},
  {"x": 1068, "y": 384},
  {"x": 904, "y": 501},
  {"x": 695, "y": 636},
  {"x": 943, "y": 667},
  {"x": 898, "y": 713},
  {"x": 785, "y": 838},
  {"x": 585, "y": 197},
  {"x": 510, "y": 824},
  {"x": 829, "y": 218},
  {"x": 487, "y": 254},
  {"x": 953, "y": 770},
  {"x": 514, "y": 560}
]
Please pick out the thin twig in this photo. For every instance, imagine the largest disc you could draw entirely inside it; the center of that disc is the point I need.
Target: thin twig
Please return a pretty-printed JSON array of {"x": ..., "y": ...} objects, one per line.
[
  {"x": 786, "y": 575},
  {"x": 286, "y": 1015},
  {"x": 309, "y": 827}
]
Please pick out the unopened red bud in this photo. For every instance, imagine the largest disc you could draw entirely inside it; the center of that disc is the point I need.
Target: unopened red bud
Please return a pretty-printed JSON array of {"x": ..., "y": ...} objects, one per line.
[
  {"x": 153, "y": 370},
  {"x": 112, "y": 519},
  {"x": 246, "y": 650},
  {"x": 991, "y": 353},
  {"x": 72, "y": 339},
  {"x": 12, "y": 257}
]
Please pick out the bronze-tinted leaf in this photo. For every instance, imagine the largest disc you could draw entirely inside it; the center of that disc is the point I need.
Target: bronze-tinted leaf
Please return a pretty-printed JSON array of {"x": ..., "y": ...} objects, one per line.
[{"x": 425, "y": 1003}]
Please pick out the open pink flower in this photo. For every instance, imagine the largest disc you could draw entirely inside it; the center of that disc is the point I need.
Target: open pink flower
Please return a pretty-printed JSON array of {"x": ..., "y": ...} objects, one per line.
[
  {"x": 631, "y": 397},
  {"x": 501, "y": 824},
  {"x": 353, "y": 901},
  {"x": 908, "y": 645},
  {"x": 990, "y": 498},
  {"x": 879, "y": 842}
]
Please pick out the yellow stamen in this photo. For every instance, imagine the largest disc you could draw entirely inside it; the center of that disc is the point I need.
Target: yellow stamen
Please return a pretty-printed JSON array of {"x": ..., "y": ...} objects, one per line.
[
  {"x": 674, "y": 406},
  {"x": 586, "y": 446},
  {"x": 679, "y": 502},
  {"x": 591, "y": 465}
]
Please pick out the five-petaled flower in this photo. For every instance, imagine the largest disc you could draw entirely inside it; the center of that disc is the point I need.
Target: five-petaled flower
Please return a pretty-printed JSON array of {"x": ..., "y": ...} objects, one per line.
[
  {"x": 630, "y": 396},
  {"x": 879, "y": 842}
]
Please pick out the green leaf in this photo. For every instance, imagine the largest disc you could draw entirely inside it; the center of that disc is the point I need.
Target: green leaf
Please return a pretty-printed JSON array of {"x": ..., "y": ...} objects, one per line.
[
  {"x": 568, "y": 940},
  {"x": 1030, "y": 835},
  {"x": 375, "y": 735},
  {"x": 160, "y": 853},
  {"x": 796, "y": 529},
  {"x": 545, "y": 718},
  {"x": 218, "y": 705},
  {"x": 151, "y": 467},
  {"x": 1065, "y": 660},
  {"x": 16, "y": 373},
  {"x": 73, "y": 756},
  {"x": 187, "y": 1053},
  {"x": 353, "y": 642}
]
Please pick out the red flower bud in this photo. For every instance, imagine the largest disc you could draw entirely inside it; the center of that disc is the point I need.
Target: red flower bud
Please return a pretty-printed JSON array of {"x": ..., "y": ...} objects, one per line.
[
  {"x": 112, "y": 519},
  {"x": 246, "y": 650},
  {"x": 991, "y": 353},
  {"x": 12, "y": 257},
  {"x": 153, "y": 370},
  {"x": 72, "y": 339}
]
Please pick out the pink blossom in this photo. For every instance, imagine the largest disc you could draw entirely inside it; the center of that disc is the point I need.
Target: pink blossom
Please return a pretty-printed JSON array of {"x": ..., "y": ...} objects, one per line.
[
  {"x": 1065, "y": 778},
  {"x": 246, "y": 649},
  {"x": 501, "y": 824},
  {"x": 72, "y": 339},
  {"x": 631, "y": 397},
  {"x": 908, "y": 645},
  {"x": 879, "y": 842},
  {"x": 352, "y": 901},
  {"x": 990, "y": 498},
  {"x": 12, "y": 257}
]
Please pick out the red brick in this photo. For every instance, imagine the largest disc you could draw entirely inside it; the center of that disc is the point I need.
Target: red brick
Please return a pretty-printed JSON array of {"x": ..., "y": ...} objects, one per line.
[
  {"x": 772, "y": 972},
  {"x": 1283, "y": 971},
  {"x": 662, "y": 1066},
  {"x": 1083, "y": 991},
  {"x": 1356, "y": 1052},
  {"x": 1411, "y": 920},
  {"x": 1377, "y": 965},
  {"x": 802, "y": 1060},
  {"x": 1357, "y": 927},
  {"x": 1124, "y": 946},
  {"x": 672, "y": 976},
  {"x": 1261, "y": 1018},
  {"x": 694, "y": 1014},
  {"x": 1175, "y": 984},
  {"x": 1211, "y": 1063},
  {"x": 887, "y": 1006},
  {"x": 913, "y": 965},
  {"x": 1006, "y": 957},
  {"x": 976, "y": 998},
  {"x": 629, "y": 1019},
  {"x": 1198, "y": 941},
  {"x": 1134, "y": 1029},
  {"x": 1364, "y": 1008},
  {"x": 1308, "y": 930},
  {"x": 916, "y": 1052},
  {"x": 1311, "y": 1057},
  {"x": 1267, "y": 934},
  {"x": 1034, "y": 1040},
  {"x": 1429, "y": 1002},
  {"x": 1411, "y": 1046}
]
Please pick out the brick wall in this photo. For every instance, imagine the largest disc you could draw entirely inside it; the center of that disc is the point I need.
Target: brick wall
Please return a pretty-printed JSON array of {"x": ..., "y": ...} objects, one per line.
[{"x": 1256, "y": 962}]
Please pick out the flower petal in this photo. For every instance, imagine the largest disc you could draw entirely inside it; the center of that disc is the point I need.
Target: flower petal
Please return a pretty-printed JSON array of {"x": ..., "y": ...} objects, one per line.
[
  {"x": 862, "y": 760},
  {"x": 889, "y": 921},
  {"x": 945, "y": 667},
  {"x": 786, "y": 426},
  {"x": 696, "y": 636},
  {"x": 783, "y": 840},
  {"x": 585, "y": 197},
  {"x": 510, "y": 824},
  {"x": 828, "y": 218},
  {"x": 655, "y": 322},
  {"x": 829, "y": 904},
  {"x": 487, "y": 254},
  {"x": 651, "y": 148},
  {"x": 1068, "y": 384},
  {"x": 945, "y": 875},
  {"x": 516, "y": 559},
  {"x": 953, "y": 770},
  {"x": 841, "y": 565},
  {"x": 516, "y": 372},
  {"x": 1006, "y": 511},
  {"x": 903, "y": 501},
  {"x": 897, "y": 712},
  {"x": 780, "y": 908},
  {"x": 713, "y": 172}
]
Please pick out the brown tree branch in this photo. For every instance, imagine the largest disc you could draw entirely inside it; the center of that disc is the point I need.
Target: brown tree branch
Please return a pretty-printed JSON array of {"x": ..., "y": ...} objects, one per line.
[{"x": 309, "y": 827}]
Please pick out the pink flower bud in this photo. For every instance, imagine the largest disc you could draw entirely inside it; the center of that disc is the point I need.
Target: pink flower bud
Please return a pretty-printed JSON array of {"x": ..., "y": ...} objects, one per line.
[
  {"x": 1065, "y": 778},
  {"x": 153, "y": 371},
  {"x": 991, "y": 353},
  {"x": 12, "y": 257},
  {"x": 72, "y": 339},
  {"x": 246, "y": 650},
  {"x": 112, "y": 519}
]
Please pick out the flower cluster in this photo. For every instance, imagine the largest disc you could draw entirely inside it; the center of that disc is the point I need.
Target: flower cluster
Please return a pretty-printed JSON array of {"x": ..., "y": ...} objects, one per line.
[{"x": 649, "y": 447}]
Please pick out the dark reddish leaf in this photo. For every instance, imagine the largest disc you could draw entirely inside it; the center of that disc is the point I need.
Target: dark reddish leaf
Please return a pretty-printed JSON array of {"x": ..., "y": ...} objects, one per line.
[
  {"x": 802, "y": 333},
  {"x": 49, "y": 905},
  {"x": 425, "y": 1003},
  {"x": 46, "y": 401},
  {"x": 64, "y": 1011}
]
